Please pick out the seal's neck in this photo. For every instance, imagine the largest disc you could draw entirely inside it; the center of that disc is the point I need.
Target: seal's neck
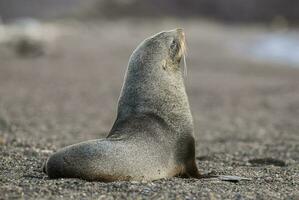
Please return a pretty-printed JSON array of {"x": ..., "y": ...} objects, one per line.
[{"x": 151, "y": 89}]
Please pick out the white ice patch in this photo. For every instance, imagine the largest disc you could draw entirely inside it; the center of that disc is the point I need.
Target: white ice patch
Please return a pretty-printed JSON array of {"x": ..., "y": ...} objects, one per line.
[
  {"x": 280, "y": 48},
  {"x": 30, "y": 28}
]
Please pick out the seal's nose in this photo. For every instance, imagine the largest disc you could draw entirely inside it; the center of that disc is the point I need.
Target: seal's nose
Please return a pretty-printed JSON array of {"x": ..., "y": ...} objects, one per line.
[
  {"x": 181, "y": 33},
  {"x": 180, "y": 30}
]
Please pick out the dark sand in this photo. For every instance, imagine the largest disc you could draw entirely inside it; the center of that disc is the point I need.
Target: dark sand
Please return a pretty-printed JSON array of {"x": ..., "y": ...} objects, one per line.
[{"x": 246, "y": 113}]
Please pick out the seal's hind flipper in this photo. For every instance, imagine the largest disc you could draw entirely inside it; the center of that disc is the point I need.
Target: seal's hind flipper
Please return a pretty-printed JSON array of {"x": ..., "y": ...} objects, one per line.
[
  {"x": 225, "y": 177},
  {"x": 233, "y": 178}
]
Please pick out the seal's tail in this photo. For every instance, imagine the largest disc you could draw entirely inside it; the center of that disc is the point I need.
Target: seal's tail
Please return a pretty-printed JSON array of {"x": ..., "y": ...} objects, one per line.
[{"x": 44, "y": 168}]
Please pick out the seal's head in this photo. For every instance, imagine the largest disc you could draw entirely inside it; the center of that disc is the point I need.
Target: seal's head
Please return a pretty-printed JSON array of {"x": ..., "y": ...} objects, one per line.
[
  {"x": 164, "y": 50},
  {"x": 172, "y": 45},
  {"x": 154, "y": 80}
]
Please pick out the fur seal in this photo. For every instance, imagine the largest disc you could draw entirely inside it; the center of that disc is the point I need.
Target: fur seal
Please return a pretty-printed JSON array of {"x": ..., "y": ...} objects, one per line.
[{"x": 152, "y": 136}]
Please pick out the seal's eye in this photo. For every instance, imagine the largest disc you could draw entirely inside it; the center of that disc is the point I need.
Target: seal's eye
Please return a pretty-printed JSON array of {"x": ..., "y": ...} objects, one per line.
[{"x": 174, "y": 45}]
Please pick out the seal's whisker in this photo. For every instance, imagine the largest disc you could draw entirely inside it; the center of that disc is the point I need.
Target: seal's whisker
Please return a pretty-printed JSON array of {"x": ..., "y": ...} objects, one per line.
[
  {"x": 183, "y": 46},
  {"x": 185, "y": 65}
]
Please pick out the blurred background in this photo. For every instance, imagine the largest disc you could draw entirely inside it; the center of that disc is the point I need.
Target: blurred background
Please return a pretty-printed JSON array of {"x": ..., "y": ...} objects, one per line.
[
  {"x": 275, "y": 20},
  {"x": 62, "y": 64},
  {"x": 230, "y": 10}
]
